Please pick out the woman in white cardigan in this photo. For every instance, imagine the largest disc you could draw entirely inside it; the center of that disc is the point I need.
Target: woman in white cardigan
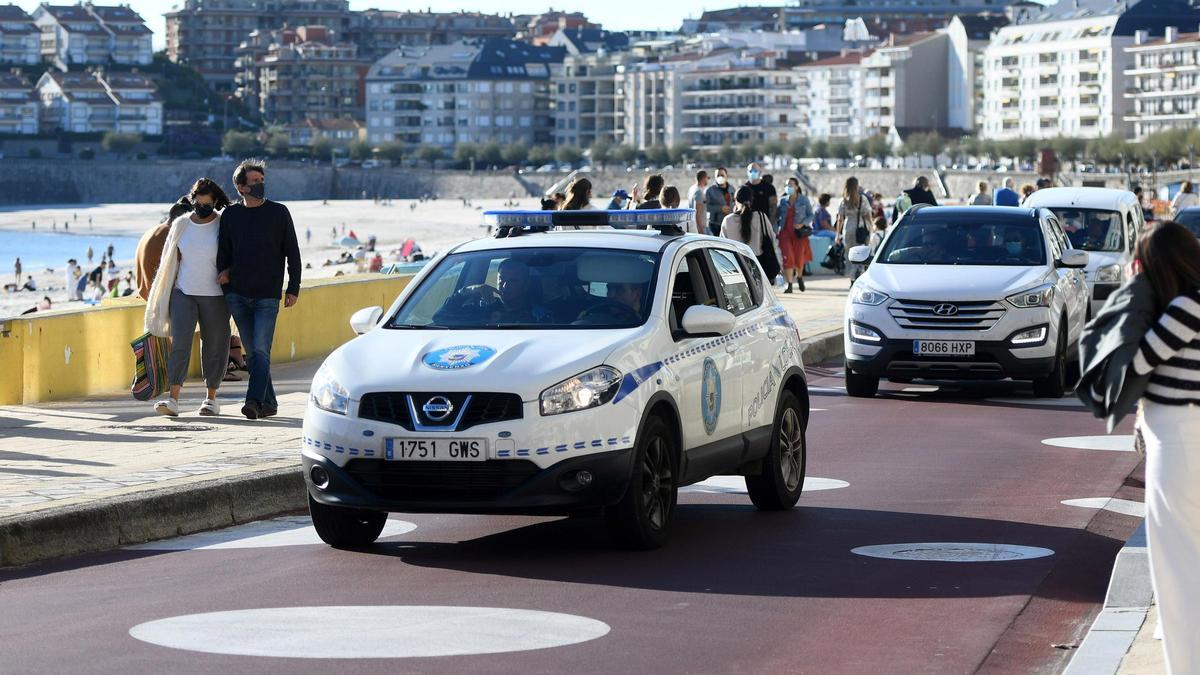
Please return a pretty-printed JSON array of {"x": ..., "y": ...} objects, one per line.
[{"x": 185, "y": 291}]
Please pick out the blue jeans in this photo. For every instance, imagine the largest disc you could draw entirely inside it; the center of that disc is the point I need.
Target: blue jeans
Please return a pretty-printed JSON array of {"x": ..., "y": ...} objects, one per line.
[{"x": 255, "y": 319}]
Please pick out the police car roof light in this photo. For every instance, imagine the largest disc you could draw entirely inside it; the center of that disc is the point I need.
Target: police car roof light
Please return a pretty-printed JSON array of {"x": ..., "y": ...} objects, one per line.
[{"x": 515, "y": 223}]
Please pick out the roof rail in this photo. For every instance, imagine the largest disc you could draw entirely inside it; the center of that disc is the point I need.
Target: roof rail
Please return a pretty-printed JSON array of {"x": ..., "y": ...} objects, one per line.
[{"x": 669, "y": 222}]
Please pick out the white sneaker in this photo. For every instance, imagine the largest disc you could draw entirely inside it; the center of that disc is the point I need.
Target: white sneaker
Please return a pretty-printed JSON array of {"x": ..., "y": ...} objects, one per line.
[
  {"x": 210, "y": 408},
  {"x": 168, "y": 407}
]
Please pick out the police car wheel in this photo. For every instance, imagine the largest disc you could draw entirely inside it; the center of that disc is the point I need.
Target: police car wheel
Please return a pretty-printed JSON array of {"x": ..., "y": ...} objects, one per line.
[
  {"x": 643, "y": 516},
  {"x": 342, "y": 527},
  {"x": 779, "y": 484}
]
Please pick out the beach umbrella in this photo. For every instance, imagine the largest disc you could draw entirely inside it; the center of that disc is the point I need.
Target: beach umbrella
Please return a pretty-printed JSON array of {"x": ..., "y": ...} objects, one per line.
[{"x": 348, "y": 241}]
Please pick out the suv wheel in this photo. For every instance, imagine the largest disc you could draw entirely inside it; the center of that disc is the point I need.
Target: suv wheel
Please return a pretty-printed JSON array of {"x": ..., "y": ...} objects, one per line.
[
  {"x": 859, "y": 385},
  {"x": 643, "y": 516},
  {"x": 1054, "y": 384},
  {"x": 778, "y": 485},
  {"x": 342, "y": 527}
]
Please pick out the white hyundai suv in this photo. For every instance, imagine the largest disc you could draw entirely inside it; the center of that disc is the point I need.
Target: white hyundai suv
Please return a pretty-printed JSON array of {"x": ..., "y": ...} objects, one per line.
[
  {"x": 967, "y": 293},
  {"x": 561, "y": 371}
]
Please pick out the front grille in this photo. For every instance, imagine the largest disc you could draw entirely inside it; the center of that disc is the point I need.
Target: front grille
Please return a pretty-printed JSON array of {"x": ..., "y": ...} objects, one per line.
[
  {"x": 476, "y": 408},
  {"x": 971, "y": 315},
  {"x": 440, "y": 481}
]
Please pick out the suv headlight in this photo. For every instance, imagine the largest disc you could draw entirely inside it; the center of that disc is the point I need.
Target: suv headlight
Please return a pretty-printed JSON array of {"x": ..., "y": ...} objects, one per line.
[
  {"x": 865, "y": 295},
  {"x": 1042, "y": 296},
  {"x": 586, "y": 390},
  {"x": 1108, "y": 274},
  {"x": 327, "y": 393}
]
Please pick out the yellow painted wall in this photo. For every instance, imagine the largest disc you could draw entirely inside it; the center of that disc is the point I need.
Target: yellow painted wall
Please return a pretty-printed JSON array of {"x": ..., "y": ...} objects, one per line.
[{"x": 79, "y": 352}]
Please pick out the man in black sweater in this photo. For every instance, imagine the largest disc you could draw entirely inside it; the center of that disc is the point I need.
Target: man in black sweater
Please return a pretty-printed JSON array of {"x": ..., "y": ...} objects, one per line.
[{"x": 256, "y": 239}]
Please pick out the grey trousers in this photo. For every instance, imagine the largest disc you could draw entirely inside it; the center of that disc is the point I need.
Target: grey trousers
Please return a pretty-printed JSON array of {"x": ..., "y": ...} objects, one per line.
[{"x": 213, "y": 315}]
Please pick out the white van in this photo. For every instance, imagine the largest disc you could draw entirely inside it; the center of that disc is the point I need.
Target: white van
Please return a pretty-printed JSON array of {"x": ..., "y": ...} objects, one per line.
[{"x": 1105, "y": 223}]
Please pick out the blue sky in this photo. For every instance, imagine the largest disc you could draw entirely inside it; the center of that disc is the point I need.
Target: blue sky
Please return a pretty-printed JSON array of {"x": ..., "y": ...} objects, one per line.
[{"x": 616, "y": 14}]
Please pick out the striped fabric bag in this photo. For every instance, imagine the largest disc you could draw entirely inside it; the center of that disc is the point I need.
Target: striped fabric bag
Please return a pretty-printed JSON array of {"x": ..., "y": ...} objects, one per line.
[{"x": 150, "y": 369}]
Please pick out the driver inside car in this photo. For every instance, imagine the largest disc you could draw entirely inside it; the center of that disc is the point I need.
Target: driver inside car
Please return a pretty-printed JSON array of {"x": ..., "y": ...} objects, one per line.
[
  {"x": 515, "y": 285},
  {"x": 629, "y": 295}
]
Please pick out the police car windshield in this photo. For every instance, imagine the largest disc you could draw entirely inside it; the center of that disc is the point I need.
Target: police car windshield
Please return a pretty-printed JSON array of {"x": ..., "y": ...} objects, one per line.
[
  {"x": 524, "y": 288},
  {"x": 1091, "y": 229},
  {"x": 965, "y": 240}
]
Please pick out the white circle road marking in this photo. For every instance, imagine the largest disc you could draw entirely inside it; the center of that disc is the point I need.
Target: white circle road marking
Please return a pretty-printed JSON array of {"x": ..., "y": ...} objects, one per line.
[
  {"x": 369, "y": 632},
  {"x": 1127, "y": 507},
  {"x": 1117, "y": 443},
  {"x": 1052, "y": 402},
  {"x": 286, "y": 531},
  {"x": 737, "y": 485},
  {"x": 953, "y": 552}
]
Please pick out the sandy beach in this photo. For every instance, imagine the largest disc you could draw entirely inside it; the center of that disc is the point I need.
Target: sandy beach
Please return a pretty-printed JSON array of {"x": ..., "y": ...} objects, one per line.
[{"x": 434, "y": 225}]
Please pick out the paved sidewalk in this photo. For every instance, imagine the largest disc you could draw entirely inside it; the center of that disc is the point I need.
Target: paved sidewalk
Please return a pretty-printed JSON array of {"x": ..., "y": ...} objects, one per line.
[
  {"x": 108, "y": 471},
  {"x": 1145, "y": 657}
]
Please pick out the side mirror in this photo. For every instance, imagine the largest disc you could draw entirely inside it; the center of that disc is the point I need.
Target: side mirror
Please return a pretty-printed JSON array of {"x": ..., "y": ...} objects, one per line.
[
  {"x": 1073, "y": 258},
  {"x": 859, "y": 255},
  {"x": 365, "y": 319},
  {"x": 702, "y": 321}
]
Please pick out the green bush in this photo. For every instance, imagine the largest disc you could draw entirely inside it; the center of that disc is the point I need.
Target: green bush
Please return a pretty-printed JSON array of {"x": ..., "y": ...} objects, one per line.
[
  {"x": 35, "y": 153},
  {"x": 87, "y": 153}
]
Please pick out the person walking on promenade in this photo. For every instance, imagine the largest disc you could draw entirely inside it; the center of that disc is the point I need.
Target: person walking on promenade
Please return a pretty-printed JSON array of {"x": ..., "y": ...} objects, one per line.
[
  {"x": 983, "y": 197},
  {"x": 150, "y": 248},
  {"x": 652, "y": 192},
  {"x": 1005, "y": 195},
  {"x": 17, "y": 272},
  {"x": 752, "y": 228},
  {"x": 718, "y": 201},
  {"x": 670, "y": 197},
  {"x": 794, "y": 231},
  {"x": 1186, "y": 197},
  {"x": 696, "y": 202},
  {"x": 579, "y": 196},
  {"x": 185, "y": 291},
  {"x": 920, "y": 192},
  {"x": 853, "y": 224},
  {"x": 1169, "y": 257},
  {"x": 257, "y": 241},
  {"x": 765, "y": 197}
]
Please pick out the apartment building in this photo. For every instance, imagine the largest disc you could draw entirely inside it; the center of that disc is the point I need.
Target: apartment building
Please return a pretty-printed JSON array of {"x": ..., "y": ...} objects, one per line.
[
  {"x": 467, "y": 92},
  {"x": 87, "y": 34},
  {"x": 904, "y": 83},
  {"x": 20, "y": 38},
  {"x": 340, "y": 132},
  {"x": 205, "y": 34},
  {"x": 969, "y": 36},
  {"x": 18, "y": 105},
  {"x": 830, "y": 97},
  {"x": 377, "y": 32},
  {"x": 1062, "y": 72},
  {"x": 1163, "y": 82},
  {"x": 94, "y": 102},
  {"x": 293, "y": 75},
  {"x": 589, "y": 102}
]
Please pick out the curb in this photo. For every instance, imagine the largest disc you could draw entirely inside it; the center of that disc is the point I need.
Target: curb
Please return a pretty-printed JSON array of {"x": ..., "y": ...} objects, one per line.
[
  {"x": 1125, "y": 607},
  {"x": 822, "y": 347},
  {"x": 157, "y": 514}
]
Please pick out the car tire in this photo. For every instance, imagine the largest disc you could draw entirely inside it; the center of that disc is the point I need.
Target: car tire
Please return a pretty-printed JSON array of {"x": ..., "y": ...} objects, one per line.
[
  {"x": 859, "y": 385},
  {"x": 642, "y": 518},
  {"x": 342, "y": 527},
  {"x": 777, "y": 487},
  {"x": 1054, "y": 384}
]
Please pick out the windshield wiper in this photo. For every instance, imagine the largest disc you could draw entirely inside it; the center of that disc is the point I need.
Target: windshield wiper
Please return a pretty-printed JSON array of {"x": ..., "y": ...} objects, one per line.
[{"x": 408, "y": 326}]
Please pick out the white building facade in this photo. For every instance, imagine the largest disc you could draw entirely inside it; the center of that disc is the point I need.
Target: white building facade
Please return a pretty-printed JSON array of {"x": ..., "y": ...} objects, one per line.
[
  {"x": 89, "y": 102},
  {"x": 19, "y": 38},
  {"x": 1163, "y": 83},
  {"x": 830, "y": 98},
  {"x": 18, "y": 105}
]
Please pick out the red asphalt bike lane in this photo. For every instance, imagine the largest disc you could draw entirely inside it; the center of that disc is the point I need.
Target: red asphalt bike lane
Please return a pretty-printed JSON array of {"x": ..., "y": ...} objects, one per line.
[{"x": 735, "y": 590}]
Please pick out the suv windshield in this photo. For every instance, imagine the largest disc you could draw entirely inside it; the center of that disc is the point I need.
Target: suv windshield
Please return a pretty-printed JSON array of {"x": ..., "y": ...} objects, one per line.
[
  {"x": 1190, "y": 218},
  {"x": 1091, "y": 229},
  {"x": 961, "y": 239},
  {"x": 524, "y": 288}
]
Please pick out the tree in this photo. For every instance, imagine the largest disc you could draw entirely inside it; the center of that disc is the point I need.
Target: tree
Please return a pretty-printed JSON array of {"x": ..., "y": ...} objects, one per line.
[
  {"x": 392, "y": 152},
  {"x": 727, "y": 153},
  {"x": 516, "y": 153},
  {"x": 122, "y": 144},
  {"x": 600, "y": 152},
  {"x": 878, "y": 147},
  {"x": 541, "y": 154},
  {"x": 359, "y": 150},
  {"x": 465, "y": 154},
  {"x": 239, "y": 144},
  {"x": 797, "y": 148},
  {"x": 429, "y": 153},
  {"x": 839, "y": 149},
  {"x": 658, "y": 155},
  {"x": 750, "y": 151},
  {"x": 568, "y": 154},
  {"x": 626, "y": 154},
  {"x": 819, "y": 148},
  {"x": 278, "y": 144},
  {"x": 679, "y": 152},
  {"x": 491, "y": 154},
  {"x": 321, "y": 148}
]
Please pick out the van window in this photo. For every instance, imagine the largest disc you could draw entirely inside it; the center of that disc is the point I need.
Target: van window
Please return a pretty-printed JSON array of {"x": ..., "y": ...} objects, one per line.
[{"x": 1092, "y": 229}]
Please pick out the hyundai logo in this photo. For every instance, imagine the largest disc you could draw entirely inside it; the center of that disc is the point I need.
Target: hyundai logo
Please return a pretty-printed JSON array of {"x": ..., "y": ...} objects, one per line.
[
  {"x": 438, "y": 408},
  {"x": 945, "y": 309}
]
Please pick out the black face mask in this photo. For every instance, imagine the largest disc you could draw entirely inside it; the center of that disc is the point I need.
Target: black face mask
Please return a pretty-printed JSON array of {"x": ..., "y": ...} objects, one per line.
[
  {"x": 204, "y": 210},
  {"x": 257, "y": 191}
]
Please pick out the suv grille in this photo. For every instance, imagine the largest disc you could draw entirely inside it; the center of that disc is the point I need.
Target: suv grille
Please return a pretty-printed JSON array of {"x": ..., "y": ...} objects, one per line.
[
  {"x": 938, "y": 315},
  {"x": 481, "y": 408},
  {"x": 432, "y": 481}
]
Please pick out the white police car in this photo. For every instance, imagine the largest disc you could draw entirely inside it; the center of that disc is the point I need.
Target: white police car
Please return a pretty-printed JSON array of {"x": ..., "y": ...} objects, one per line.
[{"x": 553, "y": 371}]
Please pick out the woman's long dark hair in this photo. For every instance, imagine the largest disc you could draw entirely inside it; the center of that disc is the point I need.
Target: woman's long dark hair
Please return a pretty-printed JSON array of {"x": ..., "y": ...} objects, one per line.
[
  {"x": 851, "y": 193},
  {"x": 180, "y": 207},
  {"x": 1169, "y": 256},
  {"x": 207, "y": 186},
  {"x": 652, "y": 186},
  {"x": 745, "y": 199},
  {"x": 577, "y": 194}
]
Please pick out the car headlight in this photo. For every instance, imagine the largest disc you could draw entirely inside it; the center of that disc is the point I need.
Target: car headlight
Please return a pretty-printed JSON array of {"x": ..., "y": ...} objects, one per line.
[
  {"x": 1042, "y": 296},
  {"x": 1030, "y": 336},
  {"x": 865, "y": 295},
  {"x": 327, "y": 393},
  {"x": 586, "y": 390},
  {"x": 1108, "y": 274},
  {"x": 861, "y": 332}
]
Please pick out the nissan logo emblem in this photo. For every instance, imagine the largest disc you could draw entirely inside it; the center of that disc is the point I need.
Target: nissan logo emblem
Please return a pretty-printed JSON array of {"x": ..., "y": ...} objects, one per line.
[
  {"x": 945, "y": 309},
  {"x": 438, "y": 408}
]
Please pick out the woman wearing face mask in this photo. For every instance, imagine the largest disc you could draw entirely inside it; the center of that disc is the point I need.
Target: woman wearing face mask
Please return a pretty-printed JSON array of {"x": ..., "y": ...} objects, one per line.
[
  {"x": 185, "y": 291},
  {"x": 794, "y": 231}
]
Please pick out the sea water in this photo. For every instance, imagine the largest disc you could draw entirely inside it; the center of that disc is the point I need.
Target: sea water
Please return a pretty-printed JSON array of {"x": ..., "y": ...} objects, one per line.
[{"x": 38, "y": 249}]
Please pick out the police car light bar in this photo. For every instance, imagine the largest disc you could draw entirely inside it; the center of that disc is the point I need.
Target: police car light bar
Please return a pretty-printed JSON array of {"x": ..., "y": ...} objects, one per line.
[{"x": 514, "y": 223}]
